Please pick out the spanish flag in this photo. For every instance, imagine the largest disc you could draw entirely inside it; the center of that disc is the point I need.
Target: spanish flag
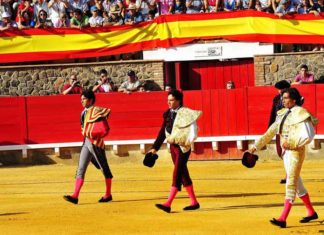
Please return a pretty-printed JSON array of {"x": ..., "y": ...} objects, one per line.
[{"x": 164, "y": 31}]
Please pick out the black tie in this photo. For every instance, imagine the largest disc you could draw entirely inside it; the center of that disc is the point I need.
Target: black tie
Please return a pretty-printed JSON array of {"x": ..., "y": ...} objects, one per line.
[
  {"x": 172, "y": 114},
  {"x": 283, "y": 120}
]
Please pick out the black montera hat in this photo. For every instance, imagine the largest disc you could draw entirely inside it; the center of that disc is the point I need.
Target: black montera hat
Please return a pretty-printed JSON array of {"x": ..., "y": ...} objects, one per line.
[
  {"x": 283, "y": 84},
  {"x": 249, "y": 159},
  {"x": 149, "y": 159}
]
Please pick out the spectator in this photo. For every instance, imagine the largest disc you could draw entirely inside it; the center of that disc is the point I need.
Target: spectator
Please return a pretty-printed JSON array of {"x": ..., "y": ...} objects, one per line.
[
  {"x": 77, "y": 4},
  {"x": 283, "y": 8},
  {"x": 264, "y": 6},
  {"x": 151, "y": 16},
  {"x": 25, "y": 21},
  {"x": 5, "y": 6},
  {"x": 317, "y": 6},
  {"x": 79, "y": 20},
  {"x": 57, "y": 7},
  {"x": 107, "y": 5},
  {"x": 7, "y": 23},
  {"x": 131, "y": 84},
  {"x": 167, "y": 87},
  {"x": 179, "y": 7},
  {"x": 73, "y": 87},
  {"x": 24, "y": 6},
  {"x": 303, "y": 7},
  {"x": 114, "y": 17},
  {"x": 231, "y": 5},
  {"x": 195, "y": 6},
  {"x": 212, "y": 5},
  {"x": 304, "y": 77},
  {"x": 41, "y": 20},
  {"x": 141, "y": 88},
  {"x": 133, "y": 17},
  {"x": 144, "y": 6},
  {"x": 105, "y": 83},
  {"x": 230, "y": 85},
  {"x": 95, "y": 20},
  {"x": 41, "y": 5},
  {"x": 166, "y": 7},
  {"x": 64, "y": 21},
  {"x": 246, "y": 4}
]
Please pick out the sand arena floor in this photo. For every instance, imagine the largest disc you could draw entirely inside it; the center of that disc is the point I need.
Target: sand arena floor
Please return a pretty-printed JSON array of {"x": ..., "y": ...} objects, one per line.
[{"x": 234, "y": 200}]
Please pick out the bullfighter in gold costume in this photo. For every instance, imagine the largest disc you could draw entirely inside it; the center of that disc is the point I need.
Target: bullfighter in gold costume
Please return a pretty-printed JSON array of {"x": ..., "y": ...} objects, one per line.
[{"x": 295, "y": 126}]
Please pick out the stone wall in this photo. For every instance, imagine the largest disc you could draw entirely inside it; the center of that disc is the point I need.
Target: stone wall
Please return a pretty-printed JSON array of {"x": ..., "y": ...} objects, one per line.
[
  {"x": 269, "y": 69},
  {"x": 49, "y": 79}
]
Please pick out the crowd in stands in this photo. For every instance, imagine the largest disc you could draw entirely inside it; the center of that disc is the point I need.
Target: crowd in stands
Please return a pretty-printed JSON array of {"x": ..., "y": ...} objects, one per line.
[
  {"x": 24, "y": 14},
  {"x": 133, "y": 84},
  {"x": 105, "y": 84}
]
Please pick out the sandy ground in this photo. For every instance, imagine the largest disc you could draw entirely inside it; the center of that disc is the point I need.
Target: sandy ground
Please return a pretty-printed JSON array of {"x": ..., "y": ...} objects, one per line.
[{"x": 234, "y": 200}]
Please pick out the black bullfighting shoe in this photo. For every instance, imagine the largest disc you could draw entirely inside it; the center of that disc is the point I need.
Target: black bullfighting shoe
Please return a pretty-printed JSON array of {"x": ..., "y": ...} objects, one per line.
[
  {"x": 192, "y": 207},
  {"x": 108, "y": 199},
  {"x": 309, "y": 218},
  {"x": 167, "y": 209},
  {"x": 281, "y": 224},
  {"x": 71, "y": 199}
]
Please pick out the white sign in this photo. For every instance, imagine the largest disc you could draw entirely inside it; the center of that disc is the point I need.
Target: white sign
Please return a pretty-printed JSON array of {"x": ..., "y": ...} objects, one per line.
[{"x": 209, "y": 51}]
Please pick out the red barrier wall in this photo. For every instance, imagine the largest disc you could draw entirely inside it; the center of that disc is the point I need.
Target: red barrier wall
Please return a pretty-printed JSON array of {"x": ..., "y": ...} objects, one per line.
[
  {"x": 13, "y": 127},
  {"x": 55, "y": 119}
]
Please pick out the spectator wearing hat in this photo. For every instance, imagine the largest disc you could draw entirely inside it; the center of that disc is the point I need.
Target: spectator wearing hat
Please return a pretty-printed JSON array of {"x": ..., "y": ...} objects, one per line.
[
  {"x": 105, "y": 84},
  {"x": 95, "y": 20},
  {"x": 295, "y": 126},
  {"x": 114, "y": 16},
  {"x": 132, "y": 16},
  {"x": 131, "y": 84},
  {"x": 304, "y": 77},
  {"x": 107, "y": 5},
  {"x": 79, "y": 20},
  {"x": 7, "y": 23}
]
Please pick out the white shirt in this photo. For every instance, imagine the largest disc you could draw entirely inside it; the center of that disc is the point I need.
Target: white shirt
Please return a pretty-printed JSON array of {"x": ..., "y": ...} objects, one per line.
[{"x": 96, "y": 21}]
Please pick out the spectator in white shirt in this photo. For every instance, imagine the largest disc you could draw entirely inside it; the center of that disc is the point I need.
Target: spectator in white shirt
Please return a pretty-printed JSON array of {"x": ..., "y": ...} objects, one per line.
[{"x": 95, "y": 20}]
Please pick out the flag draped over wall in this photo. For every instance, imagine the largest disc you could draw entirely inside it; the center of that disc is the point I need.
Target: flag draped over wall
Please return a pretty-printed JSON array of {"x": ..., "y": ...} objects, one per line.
[{"x": 164, "y": 31}]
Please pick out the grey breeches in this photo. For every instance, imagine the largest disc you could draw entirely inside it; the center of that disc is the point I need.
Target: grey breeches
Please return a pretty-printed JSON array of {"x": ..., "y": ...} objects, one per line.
[{"x": 96, "y": 155}]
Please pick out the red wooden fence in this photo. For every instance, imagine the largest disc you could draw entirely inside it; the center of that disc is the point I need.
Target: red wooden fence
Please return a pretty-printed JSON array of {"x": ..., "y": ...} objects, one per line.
[
  {"x": 215, "y": 74},
  {"x": 55, "y": 119}
]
